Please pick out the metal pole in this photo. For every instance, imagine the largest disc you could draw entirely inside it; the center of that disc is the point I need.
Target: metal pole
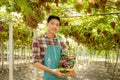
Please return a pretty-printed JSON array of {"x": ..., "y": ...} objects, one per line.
[
  {"x": 10, "y": 51},
  {"x": 35, "y": 69}
]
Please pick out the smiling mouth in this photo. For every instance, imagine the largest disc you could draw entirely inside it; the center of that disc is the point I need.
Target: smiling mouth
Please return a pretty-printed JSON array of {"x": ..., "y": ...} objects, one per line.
[{"x": 53, "y": 29}]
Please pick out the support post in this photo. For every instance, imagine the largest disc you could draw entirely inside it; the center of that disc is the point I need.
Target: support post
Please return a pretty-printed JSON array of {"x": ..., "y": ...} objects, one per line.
[
  {"x": 10, "y": 51},
  {"x": 35, "y": 69}
]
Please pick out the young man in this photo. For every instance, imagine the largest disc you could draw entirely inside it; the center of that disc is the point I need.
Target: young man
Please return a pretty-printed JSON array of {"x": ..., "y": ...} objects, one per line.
[{"x": 47, "y": 50}]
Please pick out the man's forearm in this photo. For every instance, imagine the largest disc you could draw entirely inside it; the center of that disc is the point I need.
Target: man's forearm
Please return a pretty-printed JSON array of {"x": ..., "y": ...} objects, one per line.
[{"x": 42, "y": 67}]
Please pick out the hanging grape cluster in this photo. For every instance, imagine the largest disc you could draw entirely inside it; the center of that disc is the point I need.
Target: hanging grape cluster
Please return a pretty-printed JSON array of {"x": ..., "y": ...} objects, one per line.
[
  {"x": 112, "y": 24},
  {"x": 1, "y": 28},
  {"x": 97, "y": 4},
  {"x": 30, "y": 21}
]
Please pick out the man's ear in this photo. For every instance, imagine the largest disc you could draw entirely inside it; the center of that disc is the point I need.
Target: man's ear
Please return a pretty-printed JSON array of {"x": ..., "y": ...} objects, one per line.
[{"x": 47, "y": 24}]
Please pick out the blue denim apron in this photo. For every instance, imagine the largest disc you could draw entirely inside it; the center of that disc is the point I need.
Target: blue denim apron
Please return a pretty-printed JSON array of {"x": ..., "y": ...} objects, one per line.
[{"x": 51, "y": 59}]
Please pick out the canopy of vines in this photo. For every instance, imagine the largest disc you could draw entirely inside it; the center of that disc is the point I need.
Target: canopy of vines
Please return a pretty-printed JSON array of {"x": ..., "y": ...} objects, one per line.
[{"x": 94, "y": 23}]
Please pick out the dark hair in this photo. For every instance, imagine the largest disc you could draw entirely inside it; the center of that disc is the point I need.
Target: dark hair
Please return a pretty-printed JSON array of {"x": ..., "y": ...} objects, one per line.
[{"x": 53, "y": 17}]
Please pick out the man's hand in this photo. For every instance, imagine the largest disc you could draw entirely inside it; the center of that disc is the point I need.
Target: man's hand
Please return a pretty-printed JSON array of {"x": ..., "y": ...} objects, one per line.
[
  {"x": 59, "y": 74},
  {"x": 71, "y": 73}
]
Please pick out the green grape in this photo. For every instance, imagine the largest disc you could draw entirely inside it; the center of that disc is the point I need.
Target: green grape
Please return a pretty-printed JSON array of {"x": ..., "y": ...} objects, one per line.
[{"x": 64, "y": 71}]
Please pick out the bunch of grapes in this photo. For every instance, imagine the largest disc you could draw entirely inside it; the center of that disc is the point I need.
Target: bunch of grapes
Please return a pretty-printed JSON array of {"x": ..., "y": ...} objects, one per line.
[
  {"x": 67, "y": 62},
  {"x": 1, "y": 28},
  {"x": 30, "y": 21}
]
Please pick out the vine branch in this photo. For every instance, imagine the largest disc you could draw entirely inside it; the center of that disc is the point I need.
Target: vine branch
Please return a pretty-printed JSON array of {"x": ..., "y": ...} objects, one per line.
[{"x": 101, "y": 14}]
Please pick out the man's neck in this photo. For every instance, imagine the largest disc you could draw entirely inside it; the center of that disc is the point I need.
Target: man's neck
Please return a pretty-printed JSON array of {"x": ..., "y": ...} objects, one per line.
[{"x": 50, "y": 35}]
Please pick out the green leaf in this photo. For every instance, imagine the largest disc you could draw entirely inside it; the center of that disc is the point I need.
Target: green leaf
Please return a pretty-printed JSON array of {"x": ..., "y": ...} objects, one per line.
[
  {"x": 23, "y": 4},
  {"x": 1, "y": 2},
  {"x": 11, "y": 2},
  {"x": 64, "y": 71}
]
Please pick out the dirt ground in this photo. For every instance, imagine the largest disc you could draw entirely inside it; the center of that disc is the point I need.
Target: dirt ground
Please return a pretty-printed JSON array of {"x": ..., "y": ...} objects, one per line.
[{"x": 86, "y": 71}]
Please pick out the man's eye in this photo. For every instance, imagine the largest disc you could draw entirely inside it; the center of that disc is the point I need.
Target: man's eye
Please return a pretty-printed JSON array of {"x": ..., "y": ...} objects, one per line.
[
  {"x": 57, "y": 25},
  {"x": 52, "y": 23}
]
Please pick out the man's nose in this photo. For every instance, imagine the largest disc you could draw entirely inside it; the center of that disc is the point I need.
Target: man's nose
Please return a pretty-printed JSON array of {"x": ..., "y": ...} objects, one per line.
[{"x": 55, "y": 25}]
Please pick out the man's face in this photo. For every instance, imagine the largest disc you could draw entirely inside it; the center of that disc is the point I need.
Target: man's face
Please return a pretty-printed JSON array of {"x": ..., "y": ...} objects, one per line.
[{"x": 53, "y": 26}]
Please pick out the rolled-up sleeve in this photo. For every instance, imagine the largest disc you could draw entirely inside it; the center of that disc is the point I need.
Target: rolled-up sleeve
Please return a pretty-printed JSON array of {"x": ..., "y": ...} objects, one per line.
[{"x": 36, "y": 53}]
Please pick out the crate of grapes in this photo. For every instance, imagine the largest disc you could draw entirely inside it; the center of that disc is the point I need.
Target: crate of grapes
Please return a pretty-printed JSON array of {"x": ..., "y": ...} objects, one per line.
[{"x": 66, "y": 65}]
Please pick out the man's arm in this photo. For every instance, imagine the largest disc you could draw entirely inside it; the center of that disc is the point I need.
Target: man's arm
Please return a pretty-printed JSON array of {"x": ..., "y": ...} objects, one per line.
[{"x": 42, "y": 67}]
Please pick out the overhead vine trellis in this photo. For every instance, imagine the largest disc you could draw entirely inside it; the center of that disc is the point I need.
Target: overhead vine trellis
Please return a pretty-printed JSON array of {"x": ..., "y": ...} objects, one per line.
[
  {"x": 97, "y": 27},
  {"x": 35, "y": 11}
]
